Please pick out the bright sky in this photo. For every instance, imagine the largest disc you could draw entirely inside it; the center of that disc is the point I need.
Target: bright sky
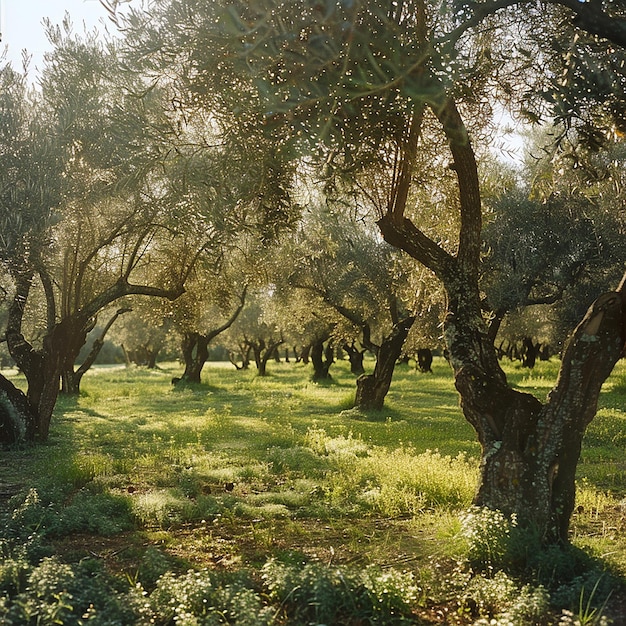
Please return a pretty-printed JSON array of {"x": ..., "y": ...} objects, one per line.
[{"x": 21, "y": 24}]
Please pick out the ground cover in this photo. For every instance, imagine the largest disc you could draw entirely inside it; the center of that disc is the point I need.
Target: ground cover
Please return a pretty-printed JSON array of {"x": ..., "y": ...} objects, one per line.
[{"x": 271, "y": 488}]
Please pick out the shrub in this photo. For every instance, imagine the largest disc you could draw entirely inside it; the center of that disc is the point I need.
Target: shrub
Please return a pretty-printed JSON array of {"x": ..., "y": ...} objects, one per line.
[
  {"x": 201, "y": 599},
  {"x": 499, "y": 601},
  {"x": 97, "y": 513},
  {"x": 323, "y": 595},
  {"x": 488, "y": 535},
  {"x": 57, "y": 593}
]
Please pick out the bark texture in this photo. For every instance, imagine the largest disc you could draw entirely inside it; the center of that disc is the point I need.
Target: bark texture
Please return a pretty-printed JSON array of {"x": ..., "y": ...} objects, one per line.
[{"x": 17, "y": 418}]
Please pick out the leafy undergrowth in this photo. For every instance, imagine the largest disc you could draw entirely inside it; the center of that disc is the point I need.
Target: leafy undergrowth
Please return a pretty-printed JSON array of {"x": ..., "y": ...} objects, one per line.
[{"x": 250, "y": 500}]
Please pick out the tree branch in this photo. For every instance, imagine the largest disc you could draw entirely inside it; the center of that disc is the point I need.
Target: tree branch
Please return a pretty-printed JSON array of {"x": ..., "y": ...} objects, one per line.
[
  {"x": 231, "y": 320},
  {"x": 98, "y": 343},
  {"x": 401, "y": 185},
  {"x": 588, "y": 16},
  {"x": 406, "y": 236},
  {"x": 123, "y": 288},
  {"x": 51, "y": 312},
  {"x": 591, "y": 17},
  {"x": 468, "y": 182}
]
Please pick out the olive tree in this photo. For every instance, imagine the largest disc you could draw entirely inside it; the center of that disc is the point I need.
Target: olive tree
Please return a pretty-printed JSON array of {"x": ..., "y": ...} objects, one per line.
[
  {"x": 210, "y": 306},
  {"x": 101, "y": 211},
  {"x": 30, "y": 187},
  {"x": 345, "y": 265},
  {"x": 380, "y": 86}
]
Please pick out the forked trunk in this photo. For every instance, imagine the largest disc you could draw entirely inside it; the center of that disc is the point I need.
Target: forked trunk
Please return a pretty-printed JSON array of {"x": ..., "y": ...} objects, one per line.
[
  {"x": 371, "y": 389},
  {"x": 356, "y": 358},
  {"x": 195, "y": 348},
  {"x": 321, "y": 362},
  {"x": 530, "y": 451},
  {"x": 42, "y": 367},
  {"x": 70, "y": 378}
]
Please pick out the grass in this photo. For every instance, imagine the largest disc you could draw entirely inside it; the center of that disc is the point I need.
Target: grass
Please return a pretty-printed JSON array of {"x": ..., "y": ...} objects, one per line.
[{"x": 240, "y": 470}]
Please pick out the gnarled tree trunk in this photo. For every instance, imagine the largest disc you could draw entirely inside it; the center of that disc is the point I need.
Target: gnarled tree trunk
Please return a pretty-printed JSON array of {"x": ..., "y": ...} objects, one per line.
[
  {"x": 195, "y": 348},
  {"x": 371, "y": 389},
  {"x": 263, "y": 352},
  {"x": 321, "y": 361},
  {"x": 42, "y": 367},
  {"x": 61, "y": 343},
  {"x": 529, "y": 450},
  {"x": 532, "y": 471},
  {"x": 70, "y": 378}
]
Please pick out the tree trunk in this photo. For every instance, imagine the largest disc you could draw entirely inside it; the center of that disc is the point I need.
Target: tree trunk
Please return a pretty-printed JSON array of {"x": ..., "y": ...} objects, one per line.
[
  {"x": 356, "y": 358},
  {"x": 70, "y": 379},
  {"x": 152, "y": 354},
  {"x": 195, "y": 349},
  {"x": 244, "y": 353},
  {"x": 127, "y": 360},
  {"x": 263, "y": 353},
  {"x": 188, "y": 343},
  {"x": 321, "y": 365},
  {"x": 529, "y": 450},
  {"x": 17, "y": 418},
  {"x": 42, "y": 368},
  {"x": 305, "y": 354},
  {"x": 70, "y": 383},
  {"x": 495, "y": 323},
  {"x": 371, "y": 389},
  {"x": 530, "y": 351},
  {"x": 533, "y": 472},
  {"x": 425, "y": 360}
]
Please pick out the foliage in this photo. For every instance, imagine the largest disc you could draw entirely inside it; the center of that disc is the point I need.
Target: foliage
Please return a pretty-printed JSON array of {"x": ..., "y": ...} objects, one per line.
[
  {"x": 499, "y": 600},
  {"x": 98, "y": 513},
  {"x": 529, "y": 259},
  {"x": 31, "y": 172},
  {"x": 488, "y": 534},
  {"x": 201, "y": 598},
  {"x": 321, "y": 595}
]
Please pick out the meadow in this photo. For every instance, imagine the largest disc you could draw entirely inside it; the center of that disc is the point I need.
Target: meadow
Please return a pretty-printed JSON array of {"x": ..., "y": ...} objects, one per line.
[{"x": 267, "y": 500}]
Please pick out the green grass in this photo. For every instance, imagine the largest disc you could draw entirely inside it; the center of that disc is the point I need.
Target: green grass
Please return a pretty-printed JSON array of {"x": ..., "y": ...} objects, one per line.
[{"x": 242, "y": 469}]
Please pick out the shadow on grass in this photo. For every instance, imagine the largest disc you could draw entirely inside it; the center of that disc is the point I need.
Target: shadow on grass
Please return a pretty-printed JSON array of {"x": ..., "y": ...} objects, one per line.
[
  {"x": 180, "y": 385},
  {"x": 372, "y": 415}
]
